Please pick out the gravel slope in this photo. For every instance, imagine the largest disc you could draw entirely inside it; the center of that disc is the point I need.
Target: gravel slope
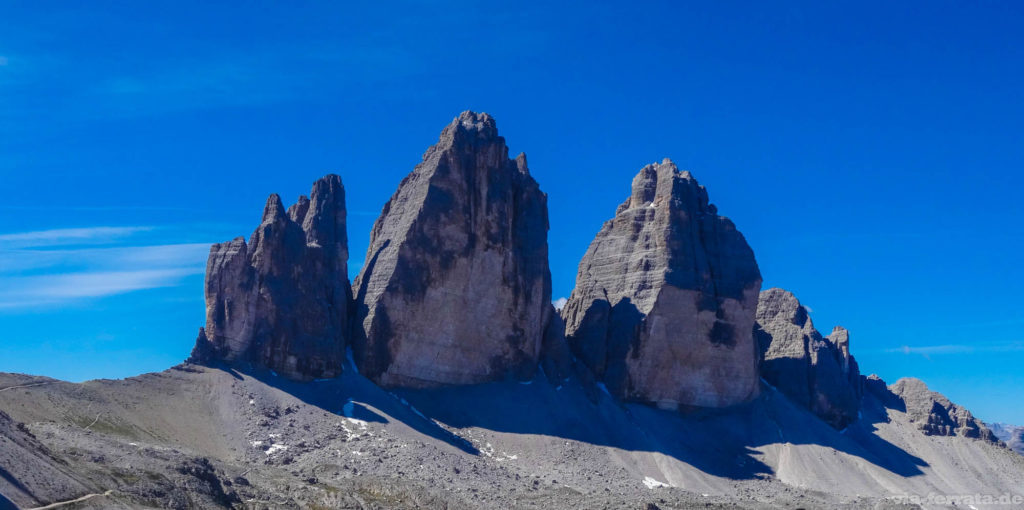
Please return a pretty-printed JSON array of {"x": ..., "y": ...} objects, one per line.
[{"x": 195, "y": 437}]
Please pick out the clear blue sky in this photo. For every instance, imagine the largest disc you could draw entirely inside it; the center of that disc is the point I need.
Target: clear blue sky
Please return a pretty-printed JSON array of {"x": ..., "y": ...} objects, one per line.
[{"x": 871, "y": 153}]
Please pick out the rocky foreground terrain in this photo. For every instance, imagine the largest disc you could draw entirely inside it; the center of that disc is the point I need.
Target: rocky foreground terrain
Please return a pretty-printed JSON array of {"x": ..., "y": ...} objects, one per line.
[
  {"x": 443, "y": 377},
  {"x": 201, "y": 437}
]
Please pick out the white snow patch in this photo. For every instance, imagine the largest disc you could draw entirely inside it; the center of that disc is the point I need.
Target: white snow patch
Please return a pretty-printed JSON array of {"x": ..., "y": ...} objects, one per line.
[
  {"x": 487, "y": 450},
  {"x": 348, "y": 408},
  {"x": 274, "y": 448},
  {"x": 252, "y": 402},
  {"x": 524, "y": 383},
  {"x": 651, "y": 483},
  {"x": 411, "y": 407},
  {"x": 257, "y": 444},
  {"x": 274, "y": 435}
]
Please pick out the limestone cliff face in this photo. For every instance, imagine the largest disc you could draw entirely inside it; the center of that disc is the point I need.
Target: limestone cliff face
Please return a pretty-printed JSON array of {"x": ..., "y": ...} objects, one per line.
[
  {"x": 814, "y": 371},
  {"x": 456, "y": 288},
  {"x": 935, "y": 415},
  {"x": 665, "y": 298},
  {"x": 281, "y": 300}
]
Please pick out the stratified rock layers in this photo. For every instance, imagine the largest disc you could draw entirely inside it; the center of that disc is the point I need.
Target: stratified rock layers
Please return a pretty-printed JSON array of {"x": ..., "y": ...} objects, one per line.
[
  {"x": 281, "y": 300},
  {"x": 665, "y": 297},
  {"x": 456, "y": 288},
  {"x": 935, "y": 415},
  {"x": 814, "y": 371}
]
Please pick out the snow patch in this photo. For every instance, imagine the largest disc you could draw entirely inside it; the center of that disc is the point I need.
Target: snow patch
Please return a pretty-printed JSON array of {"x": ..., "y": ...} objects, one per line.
[
  {"x": 411, "y": 407},
  {"x": 651, "y": 483},
  {"x": 274, "y": 448},
  {"x": 256, "y": 444},
  {"x": 348, "y": 409}
]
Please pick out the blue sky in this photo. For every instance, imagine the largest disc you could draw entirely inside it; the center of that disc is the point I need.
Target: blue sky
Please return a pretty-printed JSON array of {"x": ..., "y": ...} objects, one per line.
[{"x": 870, "y": 152}]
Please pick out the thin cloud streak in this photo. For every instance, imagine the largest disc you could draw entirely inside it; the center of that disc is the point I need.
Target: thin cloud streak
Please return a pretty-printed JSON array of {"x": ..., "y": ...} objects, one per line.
[
  {"x": 59, "y": 266},
  {"x": 65, "y": 236},
  {"x": 43, "y": 290},
  {"x": 927, "y": 351},
  {"x": 166, "y": 255}
]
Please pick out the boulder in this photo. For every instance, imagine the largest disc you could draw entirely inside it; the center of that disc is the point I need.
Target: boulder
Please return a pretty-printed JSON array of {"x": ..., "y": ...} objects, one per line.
[
  {"x": 456, "y": 288},
  {"x": 814, "y": 371},
  {"x": 665, "y": 296},
  {"x": 281, "y": 301}
]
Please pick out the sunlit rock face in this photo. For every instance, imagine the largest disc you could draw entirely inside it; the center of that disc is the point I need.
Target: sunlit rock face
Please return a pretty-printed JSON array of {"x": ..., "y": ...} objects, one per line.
[
  {"x": 455, "y": 288},
  {"x": 816, "y": 372},
  {"x": 665, "y": 297},
  {"x": 281, "y": 300},
  {"x": 935, "y": 415}
]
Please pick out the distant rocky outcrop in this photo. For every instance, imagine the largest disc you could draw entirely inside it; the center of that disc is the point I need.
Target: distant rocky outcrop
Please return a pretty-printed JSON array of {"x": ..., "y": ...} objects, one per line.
[
  {"x": 665, "y": 297},
  {"x": 281, "y": 300},
  {"x": 816, "y": 372},
  {"x": 935, "y": 415},
  {"x": 1012, "y": 435},
  {"x": 456, "y": 288}
]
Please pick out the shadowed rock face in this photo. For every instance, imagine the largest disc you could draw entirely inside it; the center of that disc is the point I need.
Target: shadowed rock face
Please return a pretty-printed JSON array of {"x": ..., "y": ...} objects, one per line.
[
  {"x": 281, "y": 300},
  {"x": 1012, "y": 435},
  {"x": 935, "y": 415},
  {"x": 816, "y": 372},
  {"x": 665, "y": 297},
  {"x": 456, "y": 288}
]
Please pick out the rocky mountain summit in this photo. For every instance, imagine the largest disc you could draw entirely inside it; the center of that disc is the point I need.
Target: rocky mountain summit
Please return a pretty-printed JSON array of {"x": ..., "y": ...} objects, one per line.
[
  {"x": 281, "y": 300},
  {"x": 815, "y": 371},
  {"x": 456, "y": 288},
  {"x": 935, "y": 415},
  {"x": 665, "y": 298}
]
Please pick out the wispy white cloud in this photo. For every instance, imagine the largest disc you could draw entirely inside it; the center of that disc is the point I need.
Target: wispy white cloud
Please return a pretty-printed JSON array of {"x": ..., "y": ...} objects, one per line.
[
  {"x": 49, "y": 267},
  {"x": 56, "y": 288},
  {"x": 66, "y": 236},
  {"x": 927, "y": 351},
  {"x": 164, "y": 255}
]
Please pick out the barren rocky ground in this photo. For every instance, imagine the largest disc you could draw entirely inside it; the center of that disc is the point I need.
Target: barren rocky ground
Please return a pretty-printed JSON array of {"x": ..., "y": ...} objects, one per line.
[{"x": 197, "y": 437}]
